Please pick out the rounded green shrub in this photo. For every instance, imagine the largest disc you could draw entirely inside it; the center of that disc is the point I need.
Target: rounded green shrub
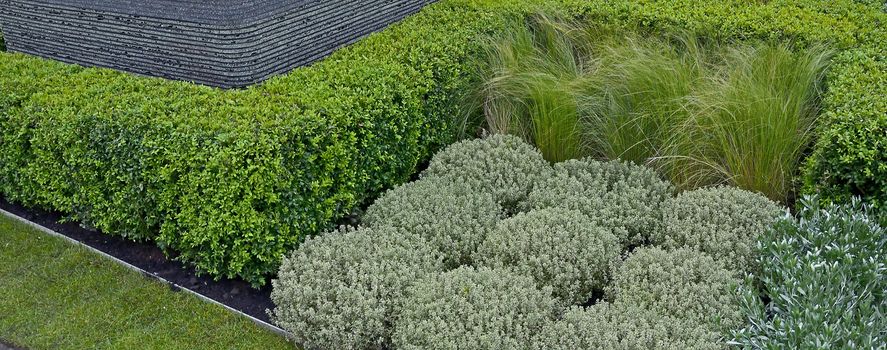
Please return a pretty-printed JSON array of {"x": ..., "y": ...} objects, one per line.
[
  {"x": 339, "y": 290},
  {"x": 615, "y": 194},
  {"x": 620, "y": 326},
  {"x": 450, "y": 216},
  {"x": 560, "y": 248},
  {"x": 682, "y": 283},
  {"x": 470, "y": 308},
  {"x": 503, "y": 165},
  {"x": 724, "y": 222}
]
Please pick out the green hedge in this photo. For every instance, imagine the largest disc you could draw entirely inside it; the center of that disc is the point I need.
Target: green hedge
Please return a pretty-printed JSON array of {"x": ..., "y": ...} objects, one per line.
[
  {"x": 231, "y": 180},
  {"x": 850, "y": 158}
]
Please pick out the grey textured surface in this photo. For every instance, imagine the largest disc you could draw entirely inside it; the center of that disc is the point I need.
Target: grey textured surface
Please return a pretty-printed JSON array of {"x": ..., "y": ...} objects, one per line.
[{"x": 225, "y": 43}]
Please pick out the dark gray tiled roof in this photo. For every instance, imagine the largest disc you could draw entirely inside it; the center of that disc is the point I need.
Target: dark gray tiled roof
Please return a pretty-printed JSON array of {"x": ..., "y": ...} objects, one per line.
[
  {"x": 119, "y": 34},
  {"x": 211, "y": 12}
]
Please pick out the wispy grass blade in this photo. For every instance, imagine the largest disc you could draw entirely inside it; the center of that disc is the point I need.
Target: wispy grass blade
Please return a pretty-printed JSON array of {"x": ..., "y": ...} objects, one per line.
[{"x": 700, "y": 111}]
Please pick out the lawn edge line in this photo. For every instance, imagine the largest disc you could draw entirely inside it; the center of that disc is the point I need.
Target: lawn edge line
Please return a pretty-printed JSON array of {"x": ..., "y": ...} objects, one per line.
[{"x": 43, "y": 229}]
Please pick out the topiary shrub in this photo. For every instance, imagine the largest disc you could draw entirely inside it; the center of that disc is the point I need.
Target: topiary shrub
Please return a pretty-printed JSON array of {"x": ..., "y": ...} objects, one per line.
[
  {"x": 503, "y": 165},
  {"x": 682, "y": 283},
  {"x": 724, "y": 222},
  {"x": 451, "y": 216},
  {"x": 624, "y": 196},
  {"x": 470, "y": 308},
  {"x": 620, "y": 326},
  {"x": 339, "y": 290},
  {"x": 560, "y": 248}
]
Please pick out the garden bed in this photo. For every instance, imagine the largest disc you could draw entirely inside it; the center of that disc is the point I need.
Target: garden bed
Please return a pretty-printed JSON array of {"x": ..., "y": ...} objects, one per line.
[
  {"x": 228, "y": 181},
  {"x": 221, "y": 43}
]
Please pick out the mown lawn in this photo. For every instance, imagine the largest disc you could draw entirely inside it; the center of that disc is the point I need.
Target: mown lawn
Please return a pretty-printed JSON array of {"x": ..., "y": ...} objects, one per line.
[{"x": 55, "y": 295}]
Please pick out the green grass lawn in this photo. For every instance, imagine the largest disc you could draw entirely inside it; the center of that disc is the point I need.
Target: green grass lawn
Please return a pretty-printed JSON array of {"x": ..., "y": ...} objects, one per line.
[{"x": 56, "y": 295}]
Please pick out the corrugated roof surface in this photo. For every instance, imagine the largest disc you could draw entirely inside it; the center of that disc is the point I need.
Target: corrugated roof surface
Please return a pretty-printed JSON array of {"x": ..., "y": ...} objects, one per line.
[{"x": 161, "y": 38}]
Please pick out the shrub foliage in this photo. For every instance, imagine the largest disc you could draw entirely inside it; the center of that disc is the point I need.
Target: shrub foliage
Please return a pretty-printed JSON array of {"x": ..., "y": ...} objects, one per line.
[
  {"x": 618, "y": 195},
  {"x": 397, "y": 281},
  {"x": 470, "y": 308},
  {"x": 340, "y": 290},
  {"x": 560, "y": 248},
  {"x": 724, "y": 222},
  {"x": 825, "y": 277},
  {"x": 451, "y": 216},
  {"x": 503, "y": 165},
  {"x": 624, "y": 326},
  {"x": 682, "y": 283}
]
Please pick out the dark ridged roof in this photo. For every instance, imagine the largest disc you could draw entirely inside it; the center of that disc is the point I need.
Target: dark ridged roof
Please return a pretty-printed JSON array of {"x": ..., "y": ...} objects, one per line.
[
  {"x": 209, "y": 12},
  {"x": 145, "y": 37}
]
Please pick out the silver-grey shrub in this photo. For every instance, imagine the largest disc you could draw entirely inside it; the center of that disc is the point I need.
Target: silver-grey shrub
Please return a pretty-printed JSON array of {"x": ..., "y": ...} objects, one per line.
[
  {"x": 452, "y": 217},
  {"x": 623, "y": 327},
  {"x": 502, "y": 165},
  {"x": 339, "y": 290},
  {"x": 560, "y": 248},
  {"x": 619, "y": 195},
  {"x": 470, "y": 308},
  {"x": 682, "y": 283},
  {"x": 724, "y": 222}
]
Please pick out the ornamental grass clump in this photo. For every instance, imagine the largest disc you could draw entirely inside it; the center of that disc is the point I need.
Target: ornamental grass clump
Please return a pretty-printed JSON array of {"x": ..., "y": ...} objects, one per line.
[
  {"x": 530, "y": 77},
  {"x": 682, "y": 283},
  {"x": 701, "y": 110},
  {"x": 754, "y": 118},
  {"x": 504, "y": 166},
  {"x": 724, "y": 222},
  {"x": 340, "y": 290},
  {"x": 618, "y": 195},
  {"x": 473, "y": 308},
  {"x": 825, "y": 277},
  {"x": 451, "y": 216},
  {"x": 624, "y": 327},
  {"x": 560, "y": 248}
]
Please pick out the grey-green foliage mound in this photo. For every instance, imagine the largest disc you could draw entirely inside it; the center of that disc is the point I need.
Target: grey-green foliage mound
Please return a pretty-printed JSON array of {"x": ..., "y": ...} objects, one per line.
[
  {"x": 724, "y": 222},
  {"x": 824, "y": 274},
  {"x": 470, "y": 308},
  {"x": 560, "y": 248},
  {"x": 339, "y": 290},
  {"x": 621, "y": 326},
  {"x": 452, "y": 217},
  {"x": 682, "y": 283},
  {"x": 619, "y": 195},
  {"x": 502, "y": 165}
]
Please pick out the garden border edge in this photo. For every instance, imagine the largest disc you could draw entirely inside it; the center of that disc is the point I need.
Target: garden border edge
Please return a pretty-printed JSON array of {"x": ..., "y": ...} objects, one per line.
[{"x": 172, "y": 285}]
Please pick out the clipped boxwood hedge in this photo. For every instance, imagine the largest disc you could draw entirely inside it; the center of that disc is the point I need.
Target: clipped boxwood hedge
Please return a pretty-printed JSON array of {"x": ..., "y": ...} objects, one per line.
[{"x": 230, "y": 180}]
